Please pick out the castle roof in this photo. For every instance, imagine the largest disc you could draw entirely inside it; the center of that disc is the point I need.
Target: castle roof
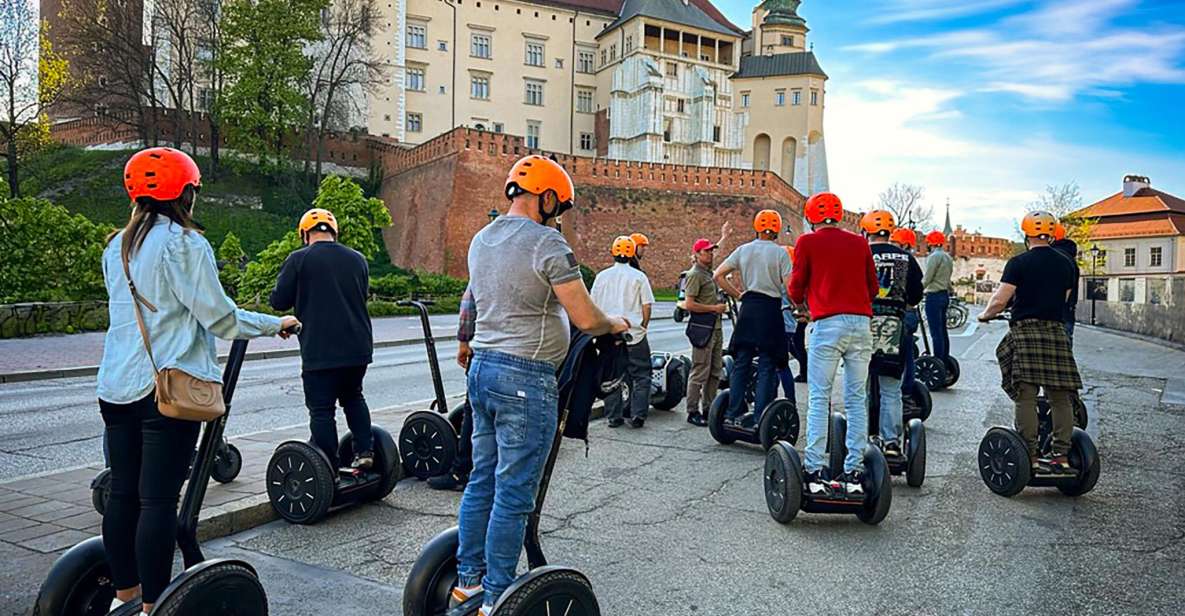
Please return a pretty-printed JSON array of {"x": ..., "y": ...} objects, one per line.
[
  {"x": 793, "y": 63},
  {"x": 695, "y": 13}
]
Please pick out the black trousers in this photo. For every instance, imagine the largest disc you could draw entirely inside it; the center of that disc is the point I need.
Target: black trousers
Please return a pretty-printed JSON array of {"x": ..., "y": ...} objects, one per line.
[
  {"x": 149, "y": 456},
  {"x": 798, "y": 349},
  {"x": 323, "y": 391}
]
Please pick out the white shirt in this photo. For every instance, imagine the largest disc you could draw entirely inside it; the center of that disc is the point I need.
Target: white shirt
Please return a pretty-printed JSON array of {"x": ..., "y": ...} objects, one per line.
[{"x": 621, "y": 291}]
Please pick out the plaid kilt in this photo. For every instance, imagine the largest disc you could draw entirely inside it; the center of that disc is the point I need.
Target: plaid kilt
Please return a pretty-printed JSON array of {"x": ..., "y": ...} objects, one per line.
[{"x": 1037, "y": 351}]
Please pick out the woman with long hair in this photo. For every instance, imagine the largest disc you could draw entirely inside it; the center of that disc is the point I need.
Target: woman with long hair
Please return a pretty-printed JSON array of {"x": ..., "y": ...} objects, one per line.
[{"x": 171, "y": 272}]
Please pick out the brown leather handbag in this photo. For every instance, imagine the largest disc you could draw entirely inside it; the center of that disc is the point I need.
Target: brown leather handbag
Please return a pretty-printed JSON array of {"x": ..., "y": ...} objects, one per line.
[{"x": 179, "y": 395}]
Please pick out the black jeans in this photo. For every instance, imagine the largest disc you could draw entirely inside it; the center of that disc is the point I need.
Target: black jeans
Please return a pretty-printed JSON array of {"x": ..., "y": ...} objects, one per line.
[
  {"x": 149, "y": 456},
  {"x": 323, "y": 391}
]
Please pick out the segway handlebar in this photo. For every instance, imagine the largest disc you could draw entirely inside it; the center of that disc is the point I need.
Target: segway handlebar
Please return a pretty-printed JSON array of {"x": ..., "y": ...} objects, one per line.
[{"x": 440, "y": 404}]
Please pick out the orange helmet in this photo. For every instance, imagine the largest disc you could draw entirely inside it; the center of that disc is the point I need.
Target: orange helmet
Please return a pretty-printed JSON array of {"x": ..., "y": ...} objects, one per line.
[
  {"x": 878, "y": 222},
  {"x": 905, "y": 237},
  {"x": 1039, "y": 224},
  {"x": 160, "y": 173},
  {"x": 1059, "y": 232},
  {"x": 536, "y": 175},
  {"x": 935, "y": 238},
  {"x": 639, "y": 239},
  {"x": 624, "y": 246},
  {"x": 824, "y": 207},
  {"x": 319, "y": 219},
  {"x": 767, "y": 220},
  {"x": 790, "y": 252}
]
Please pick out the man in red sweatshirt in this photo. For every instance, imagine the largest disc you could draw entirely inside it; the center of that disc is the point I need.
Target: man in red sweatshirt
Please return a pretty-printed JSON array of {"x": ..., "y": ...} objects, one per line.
[{"x": 834, "y": 273}]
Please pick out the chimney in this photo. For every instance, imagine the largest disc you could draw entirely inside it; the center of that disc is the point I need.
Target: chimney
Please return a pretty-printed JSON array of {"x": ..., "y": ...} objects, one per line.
[{"x": 1134, "y": 183}]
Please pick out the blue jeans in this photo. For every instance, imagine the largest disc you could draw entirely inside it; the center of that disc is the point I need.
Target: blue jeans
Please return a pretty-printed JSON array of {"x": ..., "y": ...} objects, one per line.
[
  {"x": 890, "y": 408},
  {"x": 515, "y": 412},
  {"x": 846, "y": 336},
  {"x": 936, "y": 305},
  {"x": 911, "y": 331},
  {"x": 785, "y": 375},
  {"x": 738, "y": 381}
]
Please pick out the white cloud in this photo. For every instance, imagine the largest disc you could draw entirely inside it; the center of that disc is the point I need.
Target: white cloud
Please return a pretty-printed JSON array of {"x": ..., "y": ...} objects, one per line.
[{"x": 900, "y": 11}]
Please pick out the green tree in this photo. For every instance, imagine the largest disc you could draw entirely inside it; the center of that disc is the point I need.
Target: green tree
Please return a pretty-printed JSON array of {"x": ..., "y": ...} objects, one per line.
[
  {"x": 230, "y": 259},
  {"x": 49, "y": 254},
  {"x": 265, "y": 69},
  {"x": 358, "y": 216},
  {"x": 1065, "y": 202}
]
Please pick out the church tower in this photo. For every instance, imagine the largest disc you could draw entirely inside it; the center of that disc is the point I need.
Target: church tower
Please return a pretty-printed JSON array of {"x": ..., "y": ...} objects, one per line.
[{"x": 780, "y": 90}]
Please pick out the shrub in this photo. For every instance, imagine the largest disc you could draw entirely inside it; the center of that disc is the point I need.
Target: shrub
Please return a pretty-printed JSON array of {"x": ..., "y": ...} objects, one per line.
[
  {"x": 231, "y": 261},
  {"x": 49, "y": 254}
]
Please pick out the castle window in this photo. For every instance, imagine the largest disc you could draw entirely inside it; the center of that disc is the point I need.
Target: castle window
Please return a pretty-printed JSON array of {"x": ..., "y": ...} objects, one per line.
[
  {"x": 584, "y": 62},
  {"x": 1129, "y": 257},
  {"x": 745, "y": 99},
  {"x": 415, "y": 79},
  {"x": 672, "y": 69},
  {"x": 780, "y": 98},
  {"x": 479, "y": 47},
  {"x": 1155, "y": 256},
  {"x": 534, "y": 54},
  {"x": 787, "y": 40},
  {"x": 814, "y": 97},
  {"x": 415, "y": 122},
  {"x": 716, "y": 134},
  {"x": 629, "y": 44},
  {"x": 479, "y": 87},
  {"x": 584, "y": 100},
  {"x": 586, "y": 141},
  {"x": 680, "y": 106},
  {"x": 796, "y": 97},
  {"x": 534, "y": 94},
  {"x": 417, "y": 36},
  {"x": 533, "y": 130}
]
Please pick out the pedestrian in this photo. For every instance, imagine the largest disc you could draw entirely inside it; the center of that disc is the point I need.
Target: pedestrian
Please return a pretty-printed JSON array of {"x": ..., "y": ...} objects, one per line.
[
  {"x": 704, "y": 321},
  {"x": 905, "y": 239},
  {"x": 641, "y": 244},
  {"x": 1035, "y": 354},
  {"x": 328, "y": 284},
  {"x": 621, "y": 289},
  {"x": 165, "y": 307},
  {"x": 523, "y": 276},
  {"x": 937, "y": 284},
  {"x": 835, "y": 274},
  {"x": 763, "y": 268},
  {"x": 900, "y": 280}
]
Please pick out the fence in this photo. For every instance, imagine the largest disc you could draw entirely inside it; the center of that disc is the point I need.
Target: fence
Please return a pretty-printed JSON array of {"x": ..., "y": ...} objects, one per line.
[{"x": 1165, "y": 319}]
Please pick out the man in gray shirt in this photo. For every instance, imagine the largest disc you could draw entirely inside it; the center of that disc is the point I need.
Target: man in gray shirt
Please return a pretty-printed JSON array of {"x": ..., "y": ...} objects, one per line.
[
  {"x": 936, "y": 284},
  {"x": 523, "y": 277}
]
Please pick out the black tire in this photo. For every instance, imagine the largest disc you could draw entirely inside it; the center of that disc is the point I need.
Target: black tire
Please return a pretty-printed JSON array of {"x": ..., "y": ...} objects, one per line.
[
  {"x": 952, "y": 371},
  {"x": 1081, "y": 415},
  {"x": 779, "y": 422},
  {"x": 228, "y": 589},
  {"x": 716, "y": 419},
  {"x": 228, "y": 462},
  {"x": 299, "y": 483},
  {"x": 915, "y": 468},
  {"x": 386, "y": 459},
  {"x": 931, "y": 371},
  {"x": 837, "y": 449},
  {"x": 1003, "y": 461},
  {"x": 101, "y": 490},
  {"x": 558, "y": 591},
  {"x": 432, "y": 576},
  {"x": 427, "y": 444},
  {"x": 877, "y": 486},
  {"x": 676, "y": 386},
  {"x": 679, "y": 315},
  {"x": 783, "y": 482},
  {"x": 726, "y": 373},
  {"x": 456, "y": 417},
  {"x": 79, "y": 583},
  {"x": 1084, "y": 457},
  {"x": 922, "y": 401}
]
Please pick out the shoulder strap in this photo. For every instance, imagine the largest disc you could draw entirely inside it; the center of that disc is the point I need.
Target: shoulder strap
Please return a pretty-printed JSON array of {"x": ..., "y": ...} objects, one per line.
[{"x": 137, "y": 299}]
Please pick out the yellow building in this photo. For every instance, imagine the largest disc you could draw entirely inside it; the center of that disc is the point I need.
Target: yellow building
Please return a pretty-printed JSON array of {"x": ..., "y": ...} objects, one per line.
[{"x": 649, "y": 80}]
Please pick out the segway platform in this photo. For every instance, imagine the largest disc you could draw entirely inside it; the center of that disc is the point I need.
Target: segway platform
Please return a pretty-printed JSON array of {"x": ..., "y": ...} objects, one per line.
[{"x": 779, "y": 422}]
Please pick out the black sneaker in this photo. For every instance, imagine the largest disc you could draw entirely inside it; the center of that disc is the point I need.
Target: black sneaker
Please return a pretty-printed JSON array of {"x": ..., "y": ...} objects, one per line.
[
  {"x": 697, "y": 419},
  {"x": 815, "y": 484},
  {"x": 448, "y": 481},
  {"x": 748, "y": 421},
  {"x": 852, "y": 483},
  {"x": 363, "y": 461},
  {"x": 637, "y": 422},
  {"x": 616, "y": 422}
]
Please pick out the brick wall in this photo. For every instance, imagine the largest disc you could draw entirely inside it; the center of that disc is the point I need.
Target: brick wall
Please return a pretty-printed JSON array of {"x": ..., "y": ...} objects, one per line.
[{"x": 440, "y": 193}]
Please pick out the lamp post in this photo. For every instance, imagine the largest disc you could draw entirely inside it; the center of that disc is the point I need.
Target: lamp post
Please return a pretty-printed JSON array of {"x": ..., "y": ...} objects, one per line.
[
  {"x": 493, "y": 214},
  {"x": 1093, "y": 290}
]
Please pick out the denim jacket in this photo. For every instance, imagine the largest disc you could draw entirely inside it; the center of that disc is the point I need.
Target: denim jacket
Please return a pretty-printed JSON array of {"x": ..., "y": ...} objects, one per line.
[{"x": 174, "y": 269}]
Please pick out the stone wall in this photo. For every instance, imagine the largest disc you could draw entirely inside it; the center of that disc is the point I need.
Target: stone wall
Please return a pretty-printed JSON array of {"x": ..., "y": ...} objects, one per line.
[
  {"x": 440, "y": 194},
  {"x": 1166, "y": 321},
  {"x": 17, "y": 320}
]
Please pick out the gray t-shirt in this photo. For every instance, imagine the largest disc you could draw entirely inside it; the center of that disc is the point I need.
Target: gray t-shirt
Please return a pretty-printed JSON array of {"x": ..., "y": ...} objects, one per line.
[
  {"x": 764, "y": 266},
  {"x": 513, "y": 263}
]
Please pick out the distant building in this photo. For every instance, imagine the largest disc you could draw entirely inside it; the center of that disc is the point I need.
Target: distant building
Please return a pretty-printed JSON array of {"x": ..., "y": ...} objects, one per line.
[{"x": 967, "y": 244}]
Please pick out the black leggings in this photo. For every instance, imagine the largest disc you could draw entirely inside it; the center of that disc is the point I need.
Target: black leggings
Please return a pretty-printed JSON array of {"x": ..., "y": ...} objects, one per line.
[{"x": 149, "y": 456}]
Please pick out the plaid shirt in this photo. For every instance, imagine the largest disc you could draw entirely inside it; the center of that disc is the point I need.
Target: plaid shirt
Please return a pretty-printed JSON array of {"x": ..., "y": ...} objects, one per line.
[
  {"x": 468, "y": 313},
  {"x": 1037, "y": 351}
]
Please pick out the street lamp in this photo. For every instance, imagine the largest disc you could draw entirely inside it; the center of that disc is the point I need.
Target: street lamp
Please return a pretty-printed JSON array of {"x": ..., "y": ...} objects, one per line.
[
  {"x": 493, "y": 214},
  {"x": 1093, "y": 290}
]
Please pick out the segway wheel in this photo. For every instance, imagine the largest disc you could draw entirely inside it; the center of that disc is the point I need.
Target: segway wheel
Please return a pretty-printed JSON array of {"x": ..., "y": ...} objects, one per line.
[
  {"x": 676, "y": 386},
  {"x": 726, "y": 373},
  {"x": 79, "y": 582},
  {"x": 225, "y": 587},
  {"x": 428, "y": 444},
  {"x": 1081, "y": 416},
  {"x": 299, "y": 483},
  {"x": 227, "y": 464},
  {"x": 779, "y": 422},
  {"x": 432, "y": 576},
  {"x": 915, "y": 468},
  {"x": 952, "y": 371},
  {"x": 1084, "y": 457},
  {"x": 386, "y": 459},
  {"x": 679, "y": 315},
  {"x": 877, "y": 487},
  {"x": 716, "y": 419},
  {"x": 456, "y": 417},
  {"x": 783, "y": 482},
  {"x": 101, "y": 490},
  {"x": 921, "y": 400},
  {"x": 1004, "y": 462},
  {"x": 549, "y": 590},
  {"x": 931, "y": 371},
  {"x": 837, "y": 448}
]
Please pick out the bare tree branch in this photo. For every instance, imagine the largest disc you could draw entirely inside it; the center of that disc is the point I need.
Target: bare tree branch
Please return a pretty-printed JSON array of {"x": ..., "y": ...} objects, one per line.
[{"x": 905, "y": 202}]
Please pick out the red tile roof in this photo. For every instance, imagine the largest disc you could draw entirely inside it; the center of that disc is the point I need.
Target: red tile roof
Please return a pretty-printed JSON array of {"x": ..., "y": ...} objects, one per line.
[
  {"x": 1146, "y": 200},
  {"x": 1172, "y": 224}
]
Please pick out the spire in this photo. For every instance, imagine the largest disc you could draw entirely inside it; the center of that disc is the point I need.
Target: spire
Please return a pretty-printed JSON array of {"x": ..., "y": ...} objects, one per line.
[
  {"x": 946, "y": 228},
  {"x": 783, "y": 12}
]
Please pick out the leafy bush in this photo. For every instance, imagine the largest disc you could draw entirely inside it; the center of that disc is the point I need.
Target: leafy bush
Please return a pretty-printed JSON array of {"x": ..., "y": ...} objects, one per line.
[
  {"x": 49, "y": 253},
  {"x": 588, "y": 275},
  {"x": 231, "y": 260},
  {"x": 439, "y": 285},
  {"x": 392, "y": 286}
]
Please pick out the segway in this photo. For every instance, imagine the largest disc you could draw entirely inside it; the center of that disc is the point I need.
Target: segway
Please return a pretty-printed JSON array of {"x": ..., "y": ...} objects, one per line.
[
  {"x": 428, "y": 440},
  {"x": 937, "y": 374},
  {"x": 912, "y": 463},
  {"x": 779, "y": 420},
  {"x": 544, "y": 589},
  {"x": 668, "y": 379},
  {"x": 228, "y": 461},
  {"x": 786, "y": 491},
  {"x": 917, "y": 402},
  {"x": 80, "y": 580},
  {"x": 680, "y": 298}
]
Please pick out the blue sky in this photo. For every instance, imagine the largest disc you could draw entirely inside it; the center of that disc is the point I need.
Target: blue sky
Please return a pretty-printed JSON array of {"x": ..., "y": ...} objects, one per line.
[{"x": 988, "y": 101}]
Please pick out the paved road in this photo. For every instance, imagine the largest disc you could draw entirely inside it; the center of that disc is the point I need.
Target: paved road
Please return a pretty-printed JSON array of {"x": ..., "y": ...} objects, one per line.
[{"x": 52, "y": 425}]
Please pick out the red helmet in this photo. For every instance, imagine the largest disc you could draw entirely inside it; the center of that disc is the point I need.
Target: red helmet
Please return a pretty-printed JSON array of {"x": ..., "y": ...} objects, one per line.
[
  {"x": 823, "y": 207},
  {"x": 160, "y": 173},
  {"x": 767, "y": 220},
  {"x": 878, "y": 222},
  {"x": 935, "y": 238},
  {"x": 905, "y": 237}
]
